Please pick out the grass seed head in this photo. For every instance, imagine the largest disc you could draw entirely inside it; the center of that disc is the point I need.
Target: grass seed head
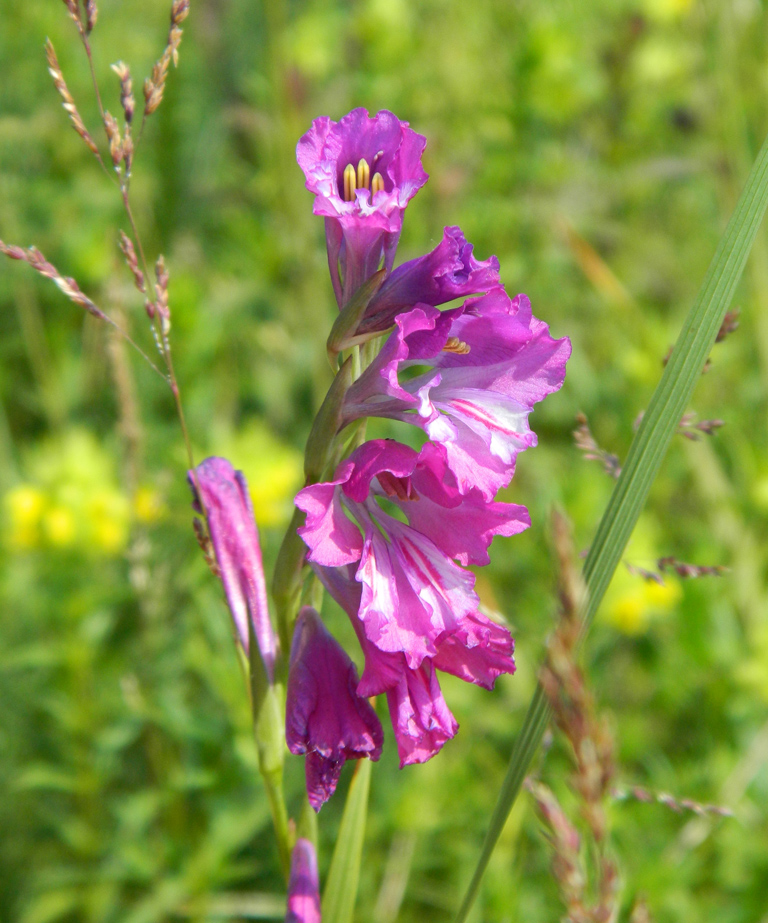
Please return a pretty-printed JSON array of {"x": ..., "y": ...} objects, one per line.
[{"x": 67, "y": 100}]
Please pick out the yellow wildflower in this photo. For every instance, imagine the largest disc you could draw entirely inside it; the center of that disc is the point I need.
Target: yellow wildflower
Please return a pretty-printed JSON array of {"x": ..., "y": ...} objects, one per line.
[
  {"x": 148, "y": 505},
  {"x": 24, "y": 506},
  {"x": 59, "y": 526}
]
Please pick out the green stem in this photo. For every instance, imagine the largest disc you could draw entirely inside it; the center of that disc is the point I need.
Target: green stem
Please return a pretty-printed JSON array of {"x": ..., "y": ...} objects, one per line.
[
  {"x": 288, "y": 580},
  {"x": 268, "y": 705}
]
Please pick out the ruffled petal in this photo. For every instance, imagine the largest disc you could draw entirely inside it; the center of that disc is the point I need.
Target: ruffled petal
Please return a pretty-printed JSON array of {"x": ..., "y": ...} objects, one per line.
[
  {"x": 333, "y": 539},
  {"x": 478, "y": 652},
  {"x": 447, "y": 272},
  {"x": 462, "y": 525}
]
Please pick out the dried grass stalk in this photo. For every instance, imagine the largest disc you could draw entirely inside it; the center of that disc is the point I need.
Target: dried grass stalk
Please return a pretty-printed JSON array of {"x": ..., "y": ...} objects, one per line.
[
  {"x": 67, "y": 101},
  {"x": 575, "y": 714},
  {"x": 154, "y": 86},
  {"x": 129, "y": 252},
  {"x": 91, "y": 15},
  {"x": 67, "y": 285},
  {"x": 74, "y": 11},
  {"x": 115, "y": 140},
  {"x": 161, "y": 293},
  {"x": 587, "y": 443},
  {"x": 126, "y": 90}
]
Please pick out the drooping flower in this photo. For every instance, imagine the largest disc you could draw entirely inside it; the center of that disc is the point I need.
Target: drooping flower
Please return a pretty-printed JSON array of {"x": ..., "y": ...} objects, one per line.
[
  {"x": 325, "y": 716},
  {"x": 489, "y": 362},
  {"x": 447, "y": 272},
  {"x": 224, "y": 499},
  {"x": 413, "y": 591},
  {"x": 478, "y": 651},
  {"x": 363, "y": 172},
  {"x": 304, "y": 885}
]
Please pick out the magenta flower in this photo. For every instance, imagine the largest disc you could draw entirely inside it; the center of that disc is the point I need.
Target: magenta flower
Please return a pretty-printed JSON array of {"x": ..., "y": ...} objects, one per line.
[
  {"x": 304, "y": 885},
  {"x": 325, "y": 717},
  {"x": 491, "y": 361},
  {"x": 413, "y": 591},
  {"x": 363, "y": 172},
  {"x": 478, "y": 651},
  {"x": 447, "y": 272},
  {"x": 224, "y": 499}
]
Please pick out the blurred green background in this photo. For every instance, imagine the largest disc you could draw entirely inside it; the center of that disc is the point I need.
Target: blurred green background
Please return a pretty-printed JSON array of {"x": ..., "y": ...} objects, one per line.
[{"x": 597, "y": 147}]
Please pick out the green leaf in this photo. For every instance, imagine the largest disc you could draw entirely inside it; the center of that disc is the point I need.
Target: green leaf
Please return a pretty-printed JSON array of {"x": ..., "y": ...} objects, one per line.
[
  {"x": 341, "y": 887},
  {"x": 645, "y": 456}
]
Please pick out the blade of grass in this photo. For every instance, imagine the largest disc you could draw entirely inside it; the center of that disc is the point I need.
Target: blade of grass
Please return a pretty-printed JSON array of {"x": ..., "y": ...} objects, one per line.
[
  {"x": 341, "y": 886},
  {"x": 646, "y": 453}
]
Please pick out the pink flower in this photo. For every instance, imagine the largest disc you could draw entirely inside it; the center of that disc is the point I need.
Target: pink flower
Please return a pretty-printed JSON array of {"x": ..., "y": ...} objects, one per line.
[
  {"x": 478, "y": 651},
  {"x": 363, "y": 172},
  {"x": 447, "y": 272},
  {"x": 325, "y": 716},
  {"x": 304, "y": 886},
  {"x": 413, "y": 591},
  {"x": 490, "y": 360},
  {"x": 226, "y": 503}
]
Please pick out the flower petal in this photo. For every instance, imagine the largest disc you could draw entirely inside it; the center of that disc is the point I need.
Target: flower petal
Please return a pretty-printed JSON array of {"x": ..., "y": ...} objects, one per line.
[
  {"x": 421, "y": 719},
  {"x": 325, "y": 717},
  {"x": 478, "y": 652},
  {"x": 447, "y": 272},
  {"x": 333, "y": 539}
]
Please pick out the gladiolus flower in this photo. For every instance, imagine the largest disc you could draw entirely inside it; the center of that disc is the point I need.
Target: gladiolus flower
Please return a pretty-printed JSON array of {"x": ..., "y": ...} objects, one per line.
[
  {"x": 226, "y": 503},
  {"x": 325, "y": 716},
  {"x": 363, "y": 172}
]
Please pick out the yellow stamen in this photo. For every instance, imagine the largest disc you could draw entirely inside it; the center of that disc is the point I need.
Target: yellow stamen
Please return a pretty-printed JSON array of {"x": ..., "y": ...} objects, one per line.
[
  {"x": 363, "y": 175},
  {"x": 377, "y": 183},
  {"x": 349, "y": 183},
  {"x": 455, "y": 345}
]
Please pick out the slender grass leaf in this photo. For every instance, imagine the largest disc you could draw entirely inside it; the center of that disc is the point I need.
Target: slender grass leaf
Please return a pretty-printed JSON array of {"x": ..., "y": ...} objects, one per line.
[
  {"x": 341, "y": 887},
  {"x": 644, "y": 459}
]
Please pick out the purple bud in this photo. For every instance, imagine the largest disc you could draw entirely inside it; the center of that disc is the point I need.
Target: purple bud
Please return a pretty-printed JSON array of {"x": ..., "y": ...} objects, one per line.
[
  {"x": 303, "y": 887},
  {"x": 224, "y": 499},
  {"x": 325, "y": 717}
]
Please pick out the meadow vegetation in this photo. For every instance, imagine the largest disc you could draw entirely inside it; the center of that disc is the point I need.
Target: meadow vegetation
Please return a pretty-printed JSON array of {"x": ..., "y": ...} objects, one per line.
[{"x": 597, "y": 148}]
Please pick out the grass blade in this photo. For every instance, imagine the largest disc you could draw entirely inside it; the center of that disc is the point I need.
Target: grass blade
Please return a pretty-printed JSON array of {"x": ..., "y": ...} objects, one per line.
[
  {"x": 341, "y": 886},
  {"x": 646, "y": 453}
]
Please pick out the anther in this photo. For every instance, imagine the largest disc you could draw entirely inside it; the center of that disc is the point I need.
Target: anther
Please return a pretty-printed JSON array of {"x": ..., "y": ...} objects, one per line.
[
  {"x": 363, "y": 175},
  {"x": 455, "y": 345},
  {"x": 377, "y": 183},
  {"x": 349, "y": 183}
]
